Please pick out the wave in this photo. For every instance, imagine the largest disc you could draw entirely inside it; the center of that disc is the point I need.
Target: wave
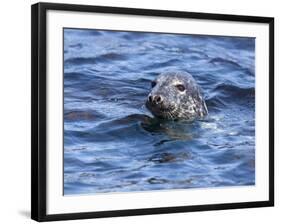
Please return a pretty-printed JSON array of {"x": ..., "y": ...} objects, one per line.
[
  {"x": 123, "y": 122},
  {"x": 162, "y": 64},
  {"x": 82, "y": 115},
  {"x": 74, "y": 76},
  {"x": 224, "y": 94},
  {"x": 215, "y": 101},
  {"x": 219, "y": 60},
  {"x": 93, "y": 60},
  {"x": 76, "y": 46},
  {"x": 232, "y": 90}
]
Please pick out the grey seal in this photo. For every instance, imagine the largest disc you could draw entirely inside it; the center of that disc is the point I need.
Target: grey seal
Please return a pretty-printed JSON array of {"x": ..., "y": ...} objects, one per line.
[{"x": 176, "y": 95}]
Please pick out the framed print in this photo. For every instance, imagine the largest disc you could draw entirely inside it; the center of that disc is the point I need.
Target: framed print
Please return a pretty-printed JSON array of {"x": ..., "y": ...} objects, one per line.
[{"x": 139, "y": 111}]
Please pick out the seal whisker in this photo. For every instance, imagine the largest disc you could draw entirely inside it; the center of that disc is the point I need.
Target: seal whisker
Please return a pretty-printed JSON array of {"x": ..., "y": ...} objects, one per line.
[{"x": 171, "y": 116}]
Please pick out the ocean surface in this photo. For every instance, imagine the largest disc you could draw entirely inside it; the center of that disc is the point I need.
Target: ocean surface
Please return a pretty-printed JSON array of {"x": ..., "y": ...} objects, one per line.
[{"x": 112, "y": 143}]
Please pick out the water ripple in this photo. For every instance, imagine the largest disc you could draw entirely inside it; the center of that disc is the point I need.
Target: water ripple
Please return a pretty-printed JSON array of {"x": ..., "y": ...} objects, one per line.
[{"x": 113, "y": 144}]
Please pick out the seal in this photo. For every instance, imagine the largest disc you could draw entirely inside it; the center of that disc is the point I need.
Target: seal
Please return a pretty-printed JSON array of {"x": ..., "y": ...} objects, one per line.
[{"x": 176, "y": 95}]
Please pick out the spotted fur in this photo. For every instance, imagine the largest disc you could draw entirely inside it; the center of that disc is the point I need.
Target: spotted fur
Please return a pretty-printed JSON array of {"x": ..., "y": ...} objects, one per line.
[{"x": 188, "y": 104}]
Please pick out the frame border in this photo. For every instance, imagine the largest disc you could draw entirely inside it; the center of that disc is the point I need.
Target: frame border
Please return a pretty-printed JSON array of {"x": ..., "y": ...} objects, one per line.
[{"x": 39, "y": 122}]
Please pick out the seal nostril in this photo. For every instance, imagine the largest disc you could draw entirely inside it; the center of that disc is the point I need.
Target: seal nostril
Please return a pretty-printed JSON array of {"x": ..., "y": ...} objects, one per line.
[
  {"x": 150, "y": 98},
  {"x": 158, "y": 99}
]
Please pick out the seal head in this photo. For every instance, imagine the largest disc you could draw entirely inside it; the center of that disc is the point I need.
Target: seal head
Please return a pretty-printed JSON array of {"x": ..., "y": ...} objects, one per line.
[{"x": 176, "y": 95}]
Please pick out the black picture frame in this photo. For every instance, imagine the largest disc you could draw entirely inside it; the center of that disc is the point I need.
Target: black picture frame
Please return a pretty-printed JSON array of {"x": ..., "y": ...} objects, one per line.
[{"x": 39, "y": 121}]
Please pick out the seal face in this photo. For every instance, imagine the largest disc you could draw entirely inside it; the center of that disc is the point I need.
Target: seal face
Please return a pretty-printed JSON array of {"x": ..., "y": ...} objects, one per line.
[{"x": 176, "y": 95}]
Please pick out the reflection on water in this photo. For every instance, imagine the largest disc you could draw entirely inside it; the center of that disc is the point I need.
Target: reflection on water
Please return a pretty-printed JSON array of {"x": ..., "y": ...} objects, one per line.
[{"x": 113, "y": 144}]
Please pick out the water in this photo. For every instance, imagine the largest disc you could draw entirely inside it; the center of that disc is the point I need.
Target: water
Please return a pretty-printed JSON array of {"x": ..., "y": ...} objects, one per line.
[{"x": 111, "y": 141}]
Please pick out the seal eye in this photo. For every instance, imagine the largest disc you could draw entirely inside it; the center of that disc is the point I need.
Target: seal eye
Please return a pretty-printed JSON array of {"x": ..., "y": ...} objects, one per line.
[
  {"x": 180, "y": 87},
  {"x": 153, "y": 83}
]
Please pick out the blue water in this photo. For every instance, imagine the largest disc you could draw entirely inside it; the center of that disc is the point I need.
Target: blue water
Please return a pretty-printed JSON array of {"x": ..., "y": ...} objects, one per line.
[{"x": 111, "y": 141}]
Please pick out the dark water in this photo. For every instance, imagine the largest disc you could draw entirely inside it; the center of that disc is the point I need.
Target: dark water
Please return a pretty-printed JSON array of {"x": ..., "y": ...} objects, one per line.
[{"x": 111, "y": 141}]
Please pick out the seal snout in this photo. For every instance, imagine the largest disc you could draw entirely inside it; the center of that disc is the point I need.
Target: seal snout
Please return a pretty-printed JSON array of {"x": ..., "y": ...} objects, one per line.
[{"x": 155, "y": 99}]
